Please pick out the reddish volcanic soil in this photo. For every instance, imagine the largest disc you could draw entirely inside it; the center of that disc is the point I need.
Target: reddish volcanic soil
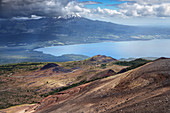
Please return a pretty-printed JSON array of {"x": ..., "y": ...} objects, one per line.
[
  {"x": 142, "y": 90},
  {"x": 26, "y": 83}
]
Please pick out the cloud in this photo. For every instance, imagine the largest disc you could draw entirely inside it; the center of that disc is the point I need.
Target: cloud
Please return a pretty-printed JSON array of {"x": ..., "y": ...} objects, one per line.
[
  {"x": 25, "y": 8},
  {"x": 143, "y": 10},
  {"x": 27, "y": 18},
  {"x": 137, "y": 8},
  {"x": 55, "y": 8}
]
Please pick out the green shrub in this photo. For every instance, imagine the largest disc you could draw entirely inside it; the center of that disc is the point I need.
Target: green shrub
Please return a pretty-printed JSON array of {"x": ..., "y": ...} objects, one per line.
[{"x": 103, "y": 66}]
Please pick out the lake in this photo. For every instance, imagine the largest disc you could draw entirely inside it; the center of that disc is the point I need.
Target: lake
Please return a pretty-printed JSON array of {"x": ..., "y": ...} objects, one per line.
[{"x": 124, "y": 49}]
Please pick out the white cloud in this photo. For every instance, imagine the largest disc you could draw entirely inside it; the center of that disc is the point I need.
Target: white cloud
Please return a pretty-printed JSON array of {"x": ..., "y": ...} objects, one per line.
[
  {"x": 143, "y": 10},
  {"x": 133, "y": 9},
  {"x": 27, "y": 18},
  {"x": 56, "y": 8},
  {"x": 134, "y": 12}
]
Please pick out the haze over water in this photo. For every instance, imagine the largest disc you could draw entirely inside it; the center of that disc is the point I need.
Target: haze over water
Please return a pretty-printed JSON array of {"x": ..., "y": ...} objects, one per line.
[{"x": 124, "y": 49}]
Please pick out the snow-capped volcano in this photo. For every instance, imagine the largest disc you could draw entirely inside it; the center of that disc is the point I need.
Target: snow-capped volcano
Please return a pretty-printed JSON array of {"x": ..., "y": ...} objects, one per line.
[{"x": 70, "y": 16}]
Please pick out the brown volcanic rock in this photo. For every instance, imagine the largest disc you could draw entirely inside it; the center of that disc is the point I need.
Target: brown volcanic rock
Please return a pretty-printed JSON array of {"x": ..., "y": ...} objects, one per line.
[
  {"x": 55, "y": 68},
  {"x": 57, "y": 98},
  {"x": 101, "y": 59},
  {"x": 24, "y": 86},
  {"x": 143, "y": 90},
  {"x": 105, "y": 73},
  {"x": 61, "y": 69},
  {"x": 161, "y": 58},
  {"x": 152, "y": 73}
]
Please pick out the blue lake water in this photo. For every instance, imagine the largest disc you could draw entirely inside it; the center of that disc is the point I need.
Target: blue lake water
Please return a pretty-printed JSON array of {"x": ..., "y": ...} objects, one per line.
[{"x": 124, "y": 49}]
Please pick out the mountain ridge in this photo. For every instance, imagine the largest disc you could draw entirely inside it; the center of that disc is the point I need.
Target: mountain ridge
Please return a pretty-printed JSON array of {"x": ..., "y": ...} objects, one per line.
[{"x": 48, "y": 29}]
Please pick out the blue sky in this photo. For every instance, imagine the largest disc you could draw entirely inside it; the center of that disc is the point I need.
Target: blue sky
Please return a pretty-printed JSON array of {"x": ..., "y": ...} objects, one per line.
[
  {"x": 105, "y": 4},
  {"x": 133, "y": 12}
]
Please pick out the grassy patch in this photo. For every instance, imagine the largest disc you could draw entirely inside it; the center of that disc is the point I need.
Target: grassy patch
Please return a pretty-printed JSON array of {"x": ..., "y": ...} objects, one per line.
[
  {"x": 20, "y": 67},
  {"x": 132, "y": 64},
  {"x": 71, "y": 86},
  {"x": 18, "y": 96}
]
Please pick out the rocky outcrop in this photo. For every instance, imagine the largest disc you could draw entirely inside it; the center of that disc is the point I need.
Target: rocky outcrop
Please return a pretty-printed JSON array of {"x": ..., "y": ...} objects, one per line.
[{"x": 49, "y": 65}]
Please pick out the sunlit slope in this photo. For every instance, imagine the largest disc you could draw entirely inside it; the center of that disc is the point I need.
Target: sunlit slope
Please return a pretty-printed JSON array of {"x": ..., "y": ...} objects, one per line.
[
  {"x": 26, "y": 83},
  {"x": 145, "y": 89}
]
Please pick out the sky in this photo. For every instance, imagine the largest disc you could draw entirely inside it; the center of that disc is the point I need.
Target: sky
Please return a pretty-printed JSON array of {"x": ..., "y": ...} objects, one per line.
[
  {"x": 127, "y": 12},
  {"x": 109, "y": 4}
]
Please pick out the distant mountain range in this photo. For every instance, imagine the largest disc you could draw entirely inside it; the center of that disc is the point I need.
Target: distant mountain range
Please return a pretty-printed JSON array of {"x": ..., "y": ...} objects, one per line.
[
  {"x": 71, "y": 30},
  {"x": 19, "y": 37}
]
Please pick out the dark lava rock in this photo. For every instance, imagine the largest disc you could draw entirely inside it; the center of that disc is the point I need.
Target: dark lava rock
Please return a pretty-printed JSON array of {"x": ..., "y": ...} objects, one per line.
[
  {"x": 122, "y": 71},
  {"x": 161, "y": 58},
  {"x": 49, "y": 65},
  {"x": 61, "y": 69},
  {"x": 105, "y": 73}
]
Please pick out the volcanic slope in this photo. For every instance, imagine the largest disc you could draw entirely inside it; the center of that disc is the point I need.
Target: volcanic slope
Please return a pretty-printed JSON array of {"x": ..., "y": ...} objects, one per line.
[
  {"x": 143, "y": 90},
  {"x": 26, "y": 83}
]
